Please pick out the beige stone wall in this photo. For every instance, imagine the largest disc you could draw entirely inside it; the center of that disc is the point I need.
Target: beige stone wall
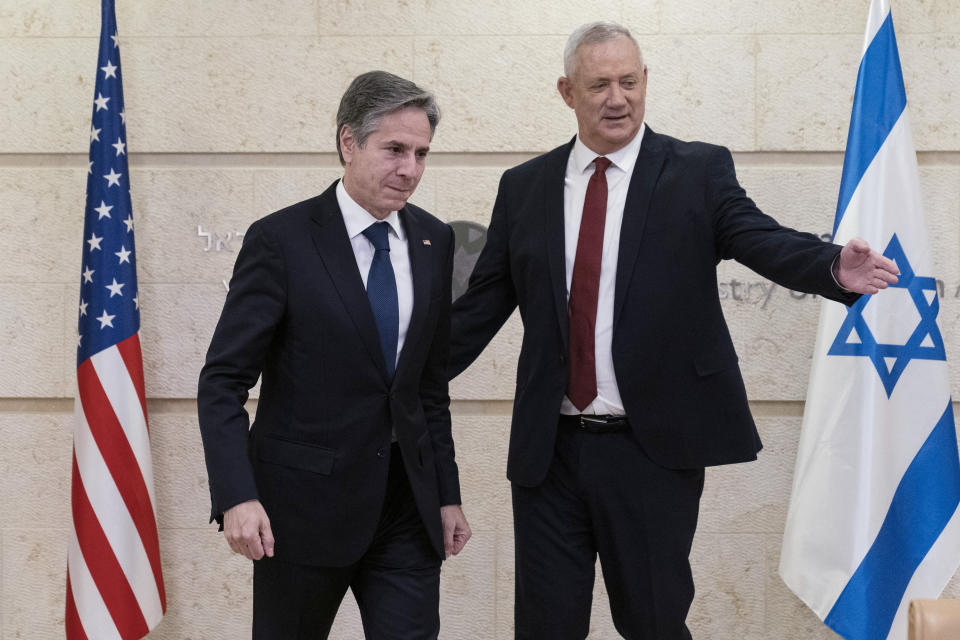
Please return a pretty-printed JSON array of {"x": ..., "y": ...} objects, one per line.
[{"x": 230, "y": 109}]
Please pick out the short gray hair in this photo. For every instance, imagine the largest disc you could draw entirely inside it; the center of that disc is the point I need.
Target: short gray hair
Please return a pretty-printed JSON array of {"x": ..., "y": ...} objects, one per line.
[
  {"x": 376, "y": 94},
  {"x": 593, "y": 33}
]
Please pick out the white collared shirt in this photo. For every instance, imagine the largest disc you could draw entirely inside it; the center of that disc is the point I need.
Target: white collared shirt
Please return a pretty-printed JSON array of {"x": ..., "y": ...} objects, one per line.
[
  {"x": 580, "y": 167},
  {"x": 356, "y": 218}
]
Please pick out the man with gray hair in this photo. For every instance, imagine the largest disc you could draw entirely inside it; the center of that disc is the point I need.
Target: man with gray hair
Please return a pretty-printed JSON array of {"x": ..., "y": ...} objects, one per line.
[
  {"x": 627, "y": 382},
  {"x": 347, "y": 477}
]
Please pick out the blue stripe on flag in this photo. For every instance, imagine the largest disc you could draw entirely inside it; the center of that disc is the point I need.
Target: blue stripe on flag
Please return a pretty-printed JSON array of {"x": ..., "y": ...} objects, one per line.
[
  {"x": 878, "y": 101},
  {"x": 924, "y": 502}
]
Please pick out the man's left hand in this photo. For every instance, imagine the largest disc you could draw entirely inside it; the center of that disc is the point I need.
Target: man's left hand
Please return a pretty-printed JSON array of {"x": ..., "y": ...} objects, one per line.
[
  {"x": 456, "y": 531},
  {"x": 860, "y": 269}
]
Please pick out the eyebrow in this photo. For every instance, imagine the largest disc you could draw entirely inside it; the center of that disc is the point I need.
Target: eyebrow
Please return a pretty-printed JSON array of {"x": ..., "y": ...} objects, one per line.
[
  {"x": 633, "y": 75},
  {"x": 402, "y": 145}
]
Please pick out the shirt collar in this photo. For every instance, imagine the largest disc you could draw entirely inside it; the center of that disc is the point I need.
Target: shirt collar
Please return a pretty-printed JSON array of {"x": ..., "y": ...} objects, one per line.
[
  {"x": 623, "y": 158},
  {"x": 356, "y": 218}
]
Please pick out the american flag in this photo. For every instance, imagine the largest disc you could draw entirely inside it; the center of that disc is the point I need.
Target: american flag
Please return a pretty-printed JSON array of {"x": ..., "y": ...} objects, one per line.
[{"x": 114, "y": 580}]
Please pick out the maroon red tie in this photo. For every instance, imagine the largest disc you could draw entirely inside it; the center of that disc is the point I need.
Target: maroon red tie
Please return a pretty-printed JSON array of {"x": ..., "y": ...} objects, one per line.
[{"x": 585, "y": 290}]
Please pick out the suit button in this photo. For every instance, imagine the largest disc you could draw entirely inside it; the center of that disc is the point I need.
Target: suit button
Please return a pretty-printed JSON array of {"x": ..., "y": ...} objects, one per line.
[
  {"x": 563, "y": 359},
  {"x": 381, "y": 452}
]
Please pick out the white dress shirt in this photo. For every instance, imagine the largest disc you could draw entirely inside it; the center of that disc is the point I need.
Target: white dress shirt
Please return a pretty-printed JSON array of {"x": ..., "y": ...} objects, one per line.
[
  {"x": 356, "y": 218},
  {"x": 579, "y": 169}
]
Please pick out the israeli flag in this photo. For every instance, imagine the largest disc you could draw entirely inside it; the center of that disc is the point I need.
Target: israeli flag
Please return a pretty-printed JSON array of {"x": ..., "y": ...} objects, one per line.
[{"x": 873, "y": 518}]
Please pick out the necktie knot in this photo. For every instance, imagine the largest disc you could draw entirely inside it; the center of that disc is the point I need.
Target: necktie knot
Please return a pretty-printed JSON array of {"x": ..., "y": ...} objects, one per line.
[
  {"x": 377, "y": 235},
  {"x": 601, "y": 164}
]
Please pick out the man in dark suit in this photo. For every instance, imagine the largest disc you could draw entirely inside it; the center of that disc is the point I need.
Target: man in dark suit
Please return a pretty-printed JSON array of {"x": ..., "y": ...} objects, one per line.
[
  {"x": 627, "y": 381},
  {"x": 347, "y": 478}
]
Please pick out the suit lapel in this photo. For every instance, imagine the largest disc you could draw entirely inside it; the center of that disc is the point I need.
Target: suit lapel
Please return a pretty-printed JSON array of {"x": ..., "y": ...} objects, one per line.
[
  {"x": 642, "y": 184},
  {"x": 333, "y": 244},
  {"x": 421, "y": 267},
  {"x": 552, "y": 197}
]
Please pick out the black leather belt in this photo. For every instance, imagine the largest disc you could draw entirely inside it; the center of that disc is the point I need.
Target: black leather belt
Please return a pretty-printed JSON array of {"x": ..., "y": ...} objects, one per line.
[{"x": 596, "y": 424}]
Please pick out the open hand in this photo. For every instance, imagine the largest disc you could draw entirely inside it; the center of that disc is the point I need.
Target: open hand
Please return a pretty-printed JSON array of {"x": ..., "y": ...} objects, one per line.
[{"x": 862, "y": 270}]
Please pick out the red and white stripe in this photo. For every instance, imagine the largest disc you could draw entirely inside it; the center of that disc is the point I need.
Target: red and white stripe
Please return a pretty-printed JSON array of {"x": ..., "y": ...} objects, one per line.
[{"x": 114, "y": 579}]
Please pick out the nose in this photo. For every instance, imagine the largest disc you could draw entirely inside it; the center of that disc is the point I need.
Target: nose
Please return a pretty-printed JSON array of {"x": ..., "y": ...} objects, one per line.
[
  {"x": 407, "y": 165},
  {"x": 616, "y": 96}
]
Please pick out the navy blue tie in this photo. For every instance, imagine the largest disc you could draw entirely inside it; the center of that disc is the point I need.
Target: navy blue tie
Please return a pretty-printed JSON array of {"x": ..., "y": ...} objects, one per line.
[{"x": 382, "y": 292}]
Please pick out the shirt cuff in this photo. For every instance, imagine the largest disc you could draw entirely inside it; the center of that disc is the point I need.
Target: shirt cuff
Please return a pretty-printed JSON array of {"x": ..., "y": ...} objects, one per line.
[{"x": 833, "y": 274}]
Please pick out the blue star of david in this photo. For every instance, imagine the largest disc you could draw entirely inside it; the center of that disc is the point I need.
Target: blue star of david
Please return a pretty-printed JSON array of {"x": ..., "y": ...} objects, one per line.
[{"x": 925, "y": 343}]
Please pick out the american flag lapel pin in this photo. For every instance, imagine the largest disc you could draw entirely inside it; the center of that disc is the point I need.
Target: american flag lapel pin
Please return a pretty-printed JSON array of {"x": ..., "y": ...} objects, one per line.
[{"x": 426, "y": 242}]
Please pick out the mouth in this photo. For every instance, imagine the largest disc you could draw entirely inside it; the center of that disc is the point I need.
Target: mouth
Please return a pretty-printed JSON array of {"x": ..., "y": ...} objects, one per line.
[{"x": 619, "y": 118}]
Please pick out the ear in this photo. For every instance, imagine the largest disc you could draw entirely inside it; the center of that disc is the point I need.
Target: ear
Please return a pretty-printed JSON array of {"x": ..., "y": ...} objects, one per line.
[
  {"x": 348, "y": 143},
  {"x": 565, "y": 87}
]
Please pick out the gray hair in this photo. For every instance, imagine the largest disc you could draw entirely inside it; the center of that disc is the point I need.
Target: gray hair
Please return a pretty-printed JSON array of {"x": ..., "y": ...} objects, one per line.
[
  {"x": 376, "y": 94},
  {"x": 593, "y": 33}
]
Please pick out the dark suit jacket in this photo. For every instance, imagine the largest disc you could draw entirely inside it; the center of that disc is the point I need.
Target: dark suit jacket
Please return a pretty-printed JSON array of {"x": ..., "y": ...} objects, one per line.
[
  {"x": 318, "y": 453},
  {"x": 675, "y": 364}
]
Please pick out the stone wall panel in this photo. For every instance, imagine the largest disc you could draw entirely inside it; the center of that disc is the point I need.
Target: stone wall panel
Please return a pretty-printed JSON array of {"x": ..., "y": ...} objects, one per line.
[
  {"x": 464, "y": 194},
  {"x": 698, "y": 81},
  {"x": 172, "y": 208},
  {"x": 48, "y": 84},
  {"x": 482, "y": 443},
  {"x": 493, "y": 374},
  {"x": 931, "y": 75},
  {"x": 729, "y": 575},
  {"x": 209, "y": 588},
  {"x": 804, "y": 99},
  {"x": 31, "y": 332},
  {"x": 177, "y": 323},
  {"x": 253, "y": 94},
  {"x": 275, "y": 189},
  {"x": 35, "y": 464},
  {"x": 48, "y": 18},
  {"x": 516, "y": 77},
  {"x": 34, "y": 582},
  {"x": 449, "y": 17},
  {"x": 42, "y": 219},
  {"x": 468, "y": 605},
  {"x": 179, "y": 472},
  {"x": 753, "y": 496}
]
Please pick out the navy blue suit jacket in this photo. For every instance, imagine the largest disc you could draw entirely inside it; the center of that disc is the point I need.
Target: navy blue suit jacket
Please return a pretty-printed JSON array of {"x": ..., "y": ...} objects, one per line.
[{"x": 318, "y": 452}]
